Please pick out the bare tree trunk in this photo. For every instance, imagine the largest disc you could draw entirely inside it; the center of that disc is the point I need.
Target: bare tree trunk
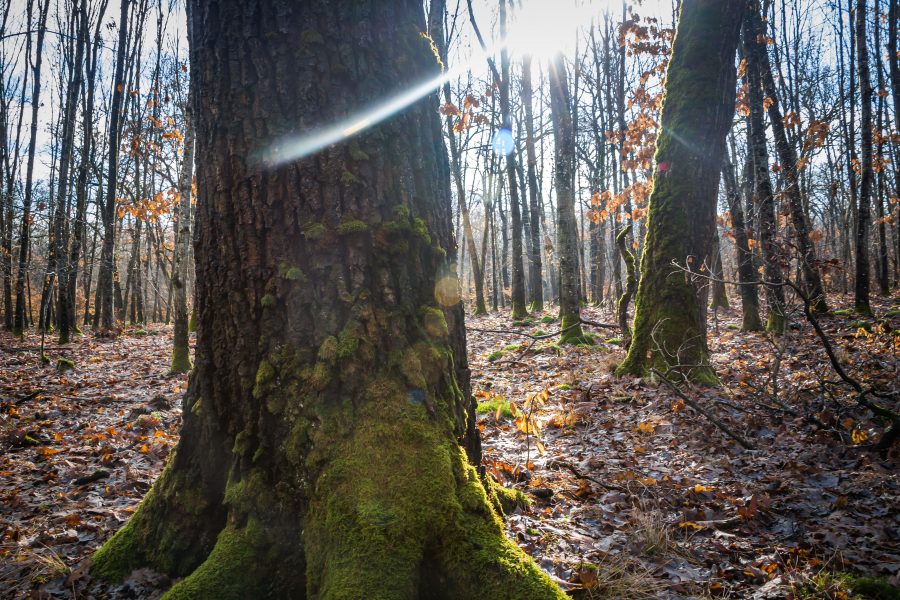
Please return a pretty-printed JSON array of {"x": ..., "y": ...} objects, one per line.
[
  {"x": 764, "y": 195},
  {"x": 861, "y": 289},
  {"x": 519, "y": 308},
  {"x": 746, "y": 272},
  {"x": 789, "y": 161},
  {"x": 181, "y": 353},
  {"x": 24, "y": 239},
  {"x": 566, "y": 232},
  {"x": 719, "y": 295},
  {"x": 105, "y": 283},
  {"x": 535, "y": 266},
  {"x": 58, "y": 260},
  {"x": 81, "y": 186}
]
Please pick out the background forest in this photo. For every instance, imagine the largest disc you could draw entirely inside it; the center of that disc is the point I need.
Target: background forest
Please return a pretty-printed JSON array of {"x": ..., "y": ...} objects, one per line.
[
  {"x": 585, "y": 367},
  {"x": 82, "y": 196}
]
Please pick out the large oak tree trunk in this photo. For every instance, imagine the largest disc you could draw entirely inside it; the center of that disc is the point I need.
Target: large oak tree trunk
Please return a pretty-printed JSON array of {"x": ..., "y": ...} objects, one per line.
[
  {"x": 322, "y": 449},
  {"x": 698, "y": 108}
]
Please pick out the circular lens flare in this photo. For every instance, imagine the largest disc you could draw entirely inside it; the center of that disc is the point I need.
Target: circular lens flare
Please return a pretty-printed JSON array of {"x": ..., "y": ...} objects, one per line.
[{"x": 503, "y": 143}]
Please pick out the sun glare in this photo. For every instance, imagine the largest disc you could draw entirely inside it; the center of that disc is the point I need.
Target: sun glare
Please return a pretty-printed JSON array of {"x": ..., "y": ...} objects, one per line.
[{"x": 542, "y": 28}]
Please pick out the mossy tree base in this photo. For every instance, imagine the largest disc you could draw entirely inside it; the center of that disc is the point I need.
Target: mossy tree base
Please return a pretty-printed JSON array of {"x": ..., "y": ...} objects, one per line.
[
  {"x": 519, "y": 311},
  {"x": 572, "y": 332},
  {"x": 775, "y": 323},
  {"x": 396, "y": 512},
  {"x": 864, "y": 310},
  {"x": 536, "y": 307},
  {"x": 181, "y": 360}
]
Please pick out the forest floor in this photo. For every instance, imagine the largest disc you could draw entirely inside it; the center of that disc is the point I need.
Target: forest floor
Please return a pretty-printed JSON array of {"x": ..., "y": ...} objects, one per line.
[{"x": 633, "y": 493}]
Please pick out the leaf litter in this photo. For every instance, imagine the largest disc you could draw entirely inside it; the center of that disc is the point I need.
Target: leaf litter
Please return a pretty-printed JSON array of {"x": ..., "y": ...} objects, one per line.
[{"x": 633, "y": 494}]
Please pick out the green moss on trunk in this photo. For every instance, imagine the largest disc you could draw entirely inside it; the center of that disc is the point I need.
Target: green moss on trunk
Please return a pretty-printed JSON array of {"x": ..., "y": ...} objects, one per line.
[
  {"x": 384, "y": 525},
  {"x": 234, "y": 570},
  {"x": 155, "y": 534},
  {"x": 572, "y": 333},
  {"x": 181, "y": 359},
  {"x": 669, "y": 327}
]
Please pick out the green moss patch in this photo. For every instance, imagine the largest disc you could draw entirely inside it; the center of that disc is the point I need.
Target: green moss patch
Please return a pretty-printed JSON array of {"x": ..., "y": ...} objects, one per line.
[
  {"x": 497, "y": 403},
  {"x": 866, "y": 325},
  {"x": 352, "y": 227}
]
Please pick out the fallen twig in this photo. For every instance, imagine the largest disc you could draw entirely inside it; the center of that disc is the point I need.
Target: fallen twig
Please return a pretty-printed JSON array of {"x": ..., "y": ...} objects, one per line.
[
  {"x": 579, "y": 475},
  {"x": 696, "y": 406}
]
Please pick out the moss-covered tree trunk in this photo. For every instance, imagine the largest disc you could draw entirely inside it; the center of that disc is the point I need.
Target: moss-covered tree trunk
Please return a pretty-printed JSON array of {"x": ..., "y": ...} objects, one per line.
[
  {"x": 669, "y": 331},
  {"x": 566, "y": 226},
  {"x": 328, "y": 417}
]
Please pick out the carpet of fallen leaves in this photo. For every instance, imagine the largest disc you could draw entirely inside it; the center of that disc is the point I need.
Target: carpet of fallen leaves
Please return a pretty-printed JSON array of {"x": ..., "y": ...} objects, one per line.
[
  {"x": 80, "y": 447},
  {"x": 633, "y": 493}
]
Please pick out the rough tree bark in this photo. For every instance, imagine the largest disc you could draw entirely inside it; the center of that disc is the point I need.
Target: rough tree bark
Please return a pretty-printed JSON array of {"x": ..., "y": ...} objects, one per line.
[
  {"x": 320, "y": 454},
  {"x": 697, "y": 112}
]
